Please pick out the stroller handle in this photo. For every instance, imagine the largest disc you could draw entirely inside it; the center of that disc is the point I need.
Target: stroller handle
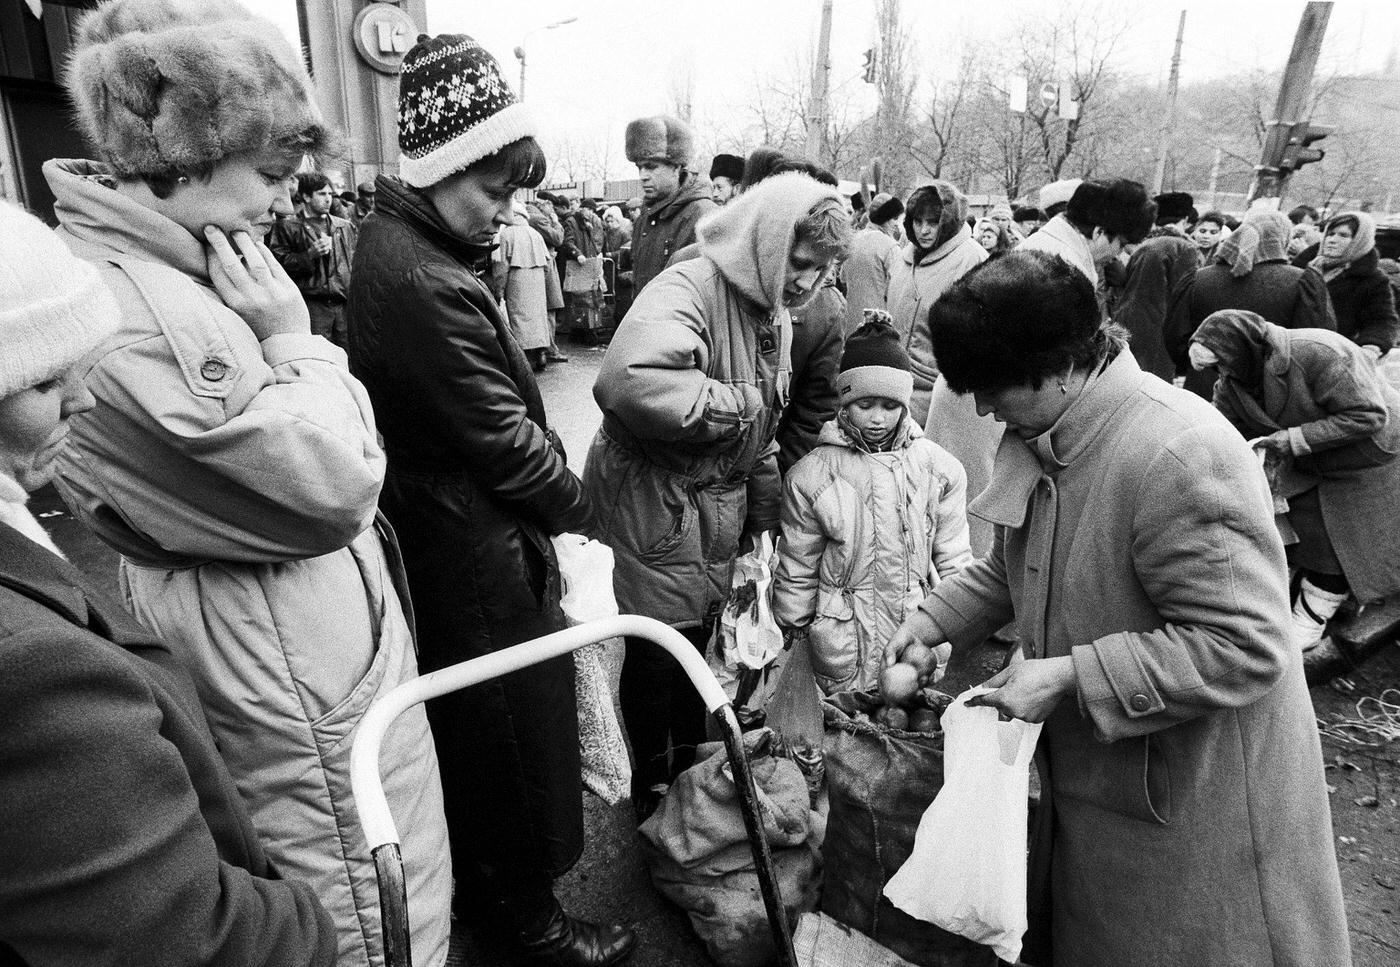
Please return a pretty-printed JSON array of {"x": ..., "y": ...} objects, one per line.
[{"x": 373, "y": 806}]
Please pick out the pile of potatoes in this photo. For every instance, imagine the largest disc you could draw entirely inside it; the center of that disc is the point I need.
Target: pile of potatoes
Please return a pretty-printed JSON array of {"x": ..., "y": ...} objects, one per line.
[{"x": 910, "y": 704}]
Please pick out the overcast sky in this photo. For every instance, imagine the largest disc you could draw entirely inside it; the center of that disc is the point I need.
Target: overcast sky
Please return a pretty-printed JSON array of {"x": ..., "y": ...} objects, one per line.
[{"x": 622, "y": 59}]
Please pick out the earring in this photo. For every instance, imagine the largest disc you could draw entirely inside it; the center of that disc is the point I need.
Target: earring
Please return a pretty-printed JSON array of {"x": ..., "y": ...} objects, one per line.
[
  {"x": 1064, "y": 390},
  {"x": 182, "y": 180}
]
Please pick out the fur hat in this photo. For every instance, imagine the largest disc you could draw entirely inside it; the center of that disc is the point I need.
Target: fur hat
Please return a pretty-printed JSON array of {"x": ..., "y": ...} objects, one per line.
[
  {"x": 660, "y": 138},
  {"x": 455, "y": 108},
  {"x": 729, "y": 166},
  {"x": 54, "y": 308},
  {"x": 1058, "y": 193},
  {"x": 1025, "y": 213},
  {"x": 884, "y": 207},
  {"x": 1118, "y": 206},
  {"x": 165, "y": 85},
  {"x": 874, "y": 363},
  {"x": 1175, "y": 205}
]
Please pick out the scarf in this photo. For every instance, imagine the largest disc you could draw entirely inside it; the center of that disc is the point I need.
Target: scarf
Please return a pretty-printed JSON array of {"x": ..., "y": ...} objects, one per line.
[
  {"x": 1237, "y": 337},
  {"x": 14, "y": 513},
  {"x": 1262, "y": 237}
]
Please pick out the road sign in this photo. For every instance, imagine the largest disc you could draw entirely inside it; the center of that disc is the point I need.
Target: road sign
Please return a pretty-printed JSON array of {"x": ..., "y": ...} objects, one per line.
[{"x": 1049, "y": 94}]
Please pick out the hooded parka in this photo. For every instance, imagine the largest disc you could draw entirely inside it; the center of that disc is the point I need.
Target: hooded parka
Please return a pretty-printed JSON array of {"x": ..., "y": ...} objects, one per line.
[
  {"x": 917, "y": 280},
  {"x": 866, "y": 536},
  {"x": 691, "y": 390},
  {"x": 238, "y": 480},
  {"x": 661, "y": 230},
  {"x": 477, "y": 484},
  {"x": 1184, "y": 818}
]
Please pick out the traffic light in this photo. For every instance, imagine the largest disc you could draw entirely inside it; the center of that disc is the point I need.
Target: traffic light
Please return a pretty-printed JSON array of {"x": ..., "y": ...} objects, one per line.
[
  {"x": 1299, "y": 151},
  {"x": 870, "y": 66}
]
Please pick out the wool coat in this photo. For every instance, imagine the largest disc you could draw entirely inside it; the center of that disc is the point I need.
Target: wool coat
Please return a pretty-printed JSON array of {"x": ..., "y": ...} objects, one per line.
[
  {"x": 1287, "y": 296},
  {"x": 1154, "y": 270},
  {"x": 1334, "y": 403},
  {"x": 692, "y": 388},
  {"x": 915, "y": 286},
  {"x": 664, "y": 228},
  {"x": 865, "y": 537},
  {"x": 123, "y": 839},
  {"x": 476, "y": 485},
  {"x": 867, "y": 271},
  {"x": 522, "y": 253},
  {"x": 1364, "y": 303},
  {"x": 1184, "y": 818},
  {"x": 955, "y": 425},
  {"x": 238, "y": 480}
]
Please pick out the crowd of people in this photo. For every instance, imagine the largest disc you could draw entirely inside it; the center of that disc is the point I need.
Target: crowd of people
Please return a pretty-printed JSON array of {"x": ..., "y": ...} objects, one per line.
[{"x": 311, "y": 428}]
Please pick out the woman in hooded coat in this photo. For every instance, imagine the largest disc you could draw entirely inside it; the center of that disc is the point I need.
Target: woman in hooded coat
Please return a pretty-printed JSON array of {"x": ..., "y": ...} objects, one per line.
[
  {"x": 685, "y": 464},
  {"x": 1361, "y": 294},
  {"x": 939, "y": 251},
  {"x": 1329, "y": 425},
  {"x": 232, "y": 459},
  {"x": 1250, "y": 272}
]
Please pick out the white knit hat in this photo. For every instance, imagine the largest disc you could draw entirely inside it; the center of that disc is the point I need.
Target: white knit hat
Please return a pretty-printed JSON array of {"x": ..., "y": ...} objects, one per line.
[
  {"x": 455, "y": 108},
  {"x": 54, "y": 308}
]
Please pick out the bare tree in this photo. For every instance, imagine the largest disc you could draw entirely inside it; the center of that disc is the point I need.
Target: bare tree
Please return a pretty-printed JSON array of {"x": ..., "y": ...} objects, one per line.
[
  {"x": 946, "y": 123},
  {"x": 895, "y": 81}
]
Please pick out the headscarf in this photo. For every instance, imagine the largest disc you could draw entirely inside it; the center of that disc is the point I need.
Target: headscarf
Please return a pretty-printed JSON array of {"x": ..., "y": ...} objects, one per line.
[
  {"x": 1363, "y": 240},
  {"x": 1237, "y": 338},
  {"x": 1262, "y": 237},
  {"x": 750, "y": 238}
]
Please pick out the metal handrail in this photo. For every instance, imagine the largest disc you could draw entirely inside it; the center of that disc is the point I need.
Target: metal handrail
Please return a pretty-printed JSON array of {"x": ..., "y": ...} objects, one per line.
[{"x": 378, "y": 822}]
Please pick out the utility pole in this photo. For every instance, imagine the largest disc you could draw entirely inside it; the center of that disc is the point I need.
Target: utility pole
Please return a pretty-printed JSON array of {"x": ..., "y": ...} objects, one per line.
[
  {"x": 816, "y": 108},
  {"x": 1271, "y": 174},
  {"x": 1214, "y": 177},
  {"x": 1164, "y": 143}
]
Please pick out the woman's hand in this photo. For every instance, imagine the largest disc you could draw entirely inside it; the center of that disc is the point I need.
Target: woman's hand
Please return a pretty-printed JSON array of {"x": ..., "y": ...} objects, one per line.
[
  {"x": 1275, "y": 443},
  {"x": 1029, "y": 690},
  {"x": 254, "y": 285}
]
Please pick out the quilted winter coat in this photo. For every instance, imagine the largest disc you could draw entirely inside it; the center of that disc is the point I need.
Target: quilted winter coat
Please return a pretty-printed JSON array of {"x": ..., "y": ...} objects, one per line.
[
  {"x": 865, "y": 537},
  {"x": 476, "y": 485},
  {"x": 1184, "y": 818},
  {"x": 239, "y": 481},
  {"x": 692, "y": 389}
]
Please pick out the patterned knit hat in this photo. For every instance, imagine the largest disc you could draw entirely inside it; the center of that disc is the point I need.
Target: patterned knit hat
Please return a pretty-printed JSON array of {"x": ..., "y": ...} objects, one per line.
[
  {"x": 455, "y": 108},
  {"x": 53, "y": 307},
  {"x": 874, "y": 363}
]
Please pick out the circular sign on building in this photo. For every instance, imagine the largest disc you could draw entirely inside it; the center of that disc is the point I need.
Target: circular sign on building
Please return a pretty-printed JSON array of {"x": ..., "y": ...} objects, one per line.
[{"x": 383, "y": 35}]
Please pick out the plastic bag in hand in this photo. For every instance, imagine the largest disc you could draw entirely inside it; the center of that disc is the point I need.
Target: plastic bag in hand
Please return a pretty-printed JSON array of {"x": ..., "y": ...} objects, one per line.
[
  {"x": 967, "y": 873},
  {"x": 749, "y": 635}
]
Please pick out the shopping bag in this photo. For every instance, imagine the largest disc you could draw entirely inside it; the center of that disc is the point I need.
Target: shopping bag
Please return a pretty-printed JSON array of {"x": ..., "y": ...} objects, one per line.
[
  {"x": 795, "y": 708},
  {"x": 821, "y": 941},
  {"x": 585, "y": 573},
  {"x": 967, "y": 873},
  {"x": 749, "y": 635},
  {"x": 585, "y": 276}
]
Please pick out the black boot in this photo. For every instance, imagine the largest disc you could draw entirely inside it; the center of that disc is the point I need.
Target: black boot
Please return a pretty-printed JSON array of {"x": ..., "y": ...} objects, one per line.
[{"x": 566, "y": 942}]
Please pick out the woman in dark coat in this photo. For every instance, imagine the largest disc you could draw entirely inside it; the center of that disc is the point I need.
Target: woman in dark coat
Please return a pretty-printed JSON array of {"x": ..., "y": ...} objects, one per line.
[
  {"x": 1361, "y": 295},
  {"x": 1250, "y": 272},
  {"x": 1329, "y": 424},
  {"x": 476, "y": 485}
]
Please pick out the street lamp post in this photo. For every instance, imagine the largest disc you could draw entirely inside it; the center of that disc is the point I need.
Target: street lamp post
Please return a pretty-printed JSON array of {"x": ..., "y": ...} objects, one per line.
[{"x": 520, "y": 50}]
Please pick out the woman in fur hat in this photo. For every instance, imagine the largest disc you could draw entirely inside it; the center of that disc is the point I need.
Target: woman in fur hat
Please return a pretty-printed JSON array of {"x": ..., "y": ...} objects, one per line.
[
  {"x": 231, "y": 458},
  {"x": 123, "y": 839},
  {"x": 940, "y": 249},
  {"x": 477, "y": 485}
]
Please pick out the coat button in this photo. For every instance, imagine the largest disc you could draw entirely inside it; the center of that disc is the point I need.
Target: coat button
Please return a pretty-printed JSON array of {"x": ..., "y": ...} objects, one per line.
[
  {"x": 1140, "y": 702},
  {"x": 213, "y": 369}
]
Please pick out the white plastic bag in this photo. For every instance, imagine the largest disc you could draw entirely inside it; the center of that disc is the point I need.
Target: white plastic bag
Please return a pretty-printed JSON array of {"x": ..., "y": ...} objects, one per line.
[
  {"x": 585, "y": 571},
  {"x": 967, "y": 873},
  {"x": 750, "y": 635}
]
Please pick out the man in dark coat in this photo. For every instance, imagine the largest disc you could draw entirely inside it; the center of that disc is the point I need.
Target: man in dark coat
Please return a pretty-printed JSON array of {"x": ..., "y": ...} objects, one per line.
[
  {"x": 1158, "y": 264},
  {"x": 316, "y": 248},
  {"x": 674, "y": 198},
  {"x": 477, "y": 484}
]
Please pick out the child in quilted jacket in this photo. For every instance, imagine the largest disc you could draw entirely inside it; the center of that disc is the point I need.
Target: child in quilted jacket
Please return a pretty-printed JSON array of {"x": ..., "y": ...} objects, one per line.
[{"x": 872, "y": 518}]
